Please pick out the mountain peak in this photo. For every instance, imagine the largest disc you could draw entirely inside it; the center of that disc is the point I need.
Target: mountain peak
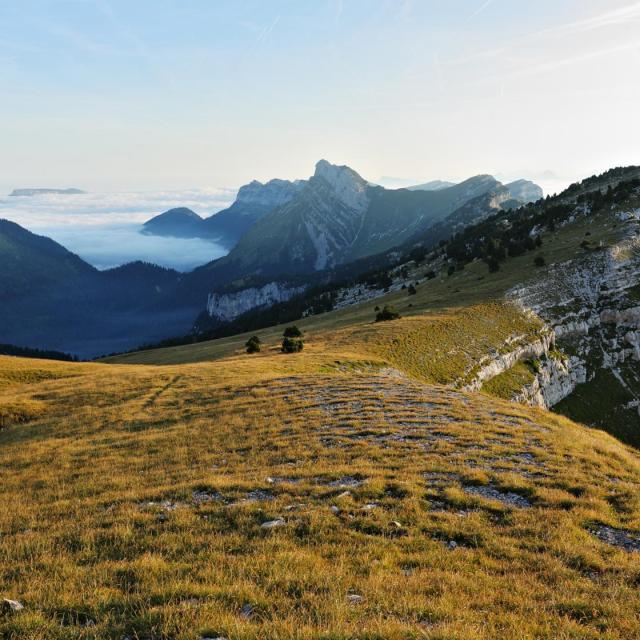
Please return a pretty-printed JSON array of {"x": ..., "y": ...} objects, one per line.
[
  {"x": 348, "y": 186},
  {"x": 273, "y": 193},
  {"x": 333, "y": 173}
]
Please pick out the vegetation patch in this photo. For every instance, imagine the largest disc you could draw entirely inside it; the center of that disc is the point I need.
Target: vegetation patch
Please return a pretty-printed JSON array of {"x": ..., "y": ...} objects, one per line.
[
  {"x": 446, "y": 348},
  {"x": 511, "y": 382},
  {"x": 19, "y": 411}
]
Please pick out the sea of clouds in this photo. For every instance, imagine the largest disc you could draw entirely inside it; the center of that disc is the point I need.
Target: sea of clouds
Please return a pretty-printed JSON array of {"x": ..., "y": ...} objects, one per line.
[{"x": 104, "y": 228}]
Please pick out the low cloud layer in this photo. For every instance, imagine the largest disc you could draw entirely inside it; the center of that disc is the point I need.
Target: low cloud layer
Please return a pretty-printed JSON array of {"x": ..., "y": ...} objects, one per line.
[{"x": 104, "y": 228}]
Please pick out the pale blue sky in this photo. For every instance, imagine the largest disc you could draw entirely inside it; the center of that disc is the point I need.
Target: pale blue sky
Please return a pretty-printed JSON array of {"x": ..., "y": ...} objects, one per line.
[{"x": 170, "y": 94}]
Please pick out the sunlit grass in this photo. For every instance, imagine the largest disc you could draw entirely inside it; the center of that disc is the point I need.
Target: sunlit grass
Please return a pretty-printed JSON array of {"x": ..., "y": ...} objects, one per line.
[{"x": 107, "y": 524}]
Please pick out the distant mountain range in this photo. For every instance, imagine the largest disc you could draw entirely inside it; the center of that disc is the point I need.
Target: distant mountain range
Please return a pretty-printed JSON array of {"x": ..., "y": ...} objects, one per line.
[
  {"x": 333, "y": 218},
  {"x": 282, "y": 236},
  {"x": 254, "y": 200},
  {"x": 39, "y": 192},
  {"x": 337, "y": 217}
]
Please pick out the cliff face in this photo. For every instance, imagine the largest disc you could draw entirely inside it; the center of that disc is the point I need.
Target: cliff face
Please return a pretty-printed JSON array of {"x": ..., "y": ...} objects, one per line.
[
  {"x": 592, "y": 307},
  {"x": 227, "y": 306}
]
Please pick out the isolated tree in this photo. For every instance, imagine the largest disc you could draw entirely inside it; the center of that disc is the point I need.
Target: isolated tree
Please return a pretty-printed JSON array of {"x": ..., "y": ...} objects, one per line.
[
  {"x": 292, "y": 345},
  {"x": 411, "y": 290},
  {"x": 494, "y": 265},
  {"x": 292, "y": 332},
  {"x": 253, "y": 344},
  {"x": 387, "y": 313},
  {"x": 539, "y": 261},
  {"x": 451, "y": 269}
]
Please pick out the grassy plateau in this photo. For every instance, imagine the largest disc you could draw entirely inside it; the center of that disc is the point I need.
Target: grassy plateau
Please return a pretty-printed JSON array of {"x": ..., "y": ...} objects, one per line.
[{"x": 345, "y": 492}]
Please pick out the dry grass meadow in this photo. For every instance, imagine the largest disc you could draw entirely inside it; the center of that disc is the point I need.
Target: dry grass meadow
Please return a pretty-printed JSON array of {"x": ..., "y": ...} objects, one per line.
[{"x": 346, "y": 492}]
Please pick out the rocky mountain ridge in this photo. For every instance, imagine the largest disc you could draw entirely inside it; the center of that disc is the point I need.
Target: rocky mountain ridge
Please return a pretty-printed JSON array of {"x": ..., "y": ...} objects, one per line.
[
  {"x": 338, "y": 217},
  {"x": 591, "y": 305}
]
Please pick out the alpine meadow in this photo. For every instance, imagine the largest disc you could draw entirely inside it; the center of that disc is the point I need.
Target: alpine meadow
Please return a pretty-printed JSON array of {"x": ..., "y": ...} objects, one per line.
[{"x": 400, "y": 396}]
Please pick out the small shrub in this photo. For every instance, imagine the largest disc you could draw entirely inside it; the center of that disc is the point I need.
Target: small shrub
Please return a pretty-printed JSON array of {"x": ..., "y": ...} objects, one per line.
[
  {"x": 387, "y": 313},
  {"x": 292, "y": 332},
  {"x": 253, "y": 344},
  {"x": 292, "y": 345},
  {"x": 451, "y": 269},
  {"x": 494, "y": 265},
  {"x": 539, "y": 261},
  {"x": 411, "y": 290},
  {"x": 430, "y": 275}
]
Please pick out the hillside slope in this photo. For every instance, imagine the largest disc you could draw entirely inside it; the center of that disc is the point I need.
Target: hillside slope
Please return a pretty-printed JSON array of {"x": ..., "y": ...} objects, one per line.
[
  {"x": 323, "y": 494},
  {"x": 31, "y": 263},
  {"x": 359, "y": 489},
  {"x": 54, "y": 300},
  {"x": 572, "y": 264}
]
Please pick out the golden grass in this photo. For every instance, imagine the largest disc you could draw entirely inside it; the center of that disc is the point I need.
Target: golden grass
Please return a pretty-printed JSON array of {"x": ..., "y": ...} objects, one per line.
[
  {"x": 134, "y": 494},
  {"x": 135, "y": 505}
]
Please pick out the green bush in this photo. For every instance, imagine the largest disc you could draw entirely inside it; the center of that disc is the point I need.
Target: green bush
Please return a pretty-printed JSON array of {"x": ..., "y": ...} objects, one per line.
[
  {"x": 253, "y": 344},
  {"x": 387, "y": 313},
  {"x": 411, "y": 290},
  {"x": 292, "y": 345},
  {"x": 292, "y": 332},
  {"x": 539, "y": 261}
]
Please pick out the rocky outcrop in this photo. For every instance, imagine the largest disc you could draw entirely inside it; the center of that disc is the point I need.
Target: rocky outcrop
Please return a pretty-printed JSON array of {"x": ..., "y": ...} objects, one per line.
[
  {"x": 495, "y": 364},
  {"x": 228, "y": 306},
  {"x": 590, "y": 304},
  {"x": 525, "y": 191},
  {"x": 556, "y": 378}
]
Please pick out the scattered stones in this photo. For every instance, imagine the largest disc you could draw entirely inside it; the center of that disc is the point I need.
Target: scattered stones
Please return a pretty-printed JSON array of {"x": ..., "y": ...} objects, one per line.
[
  {"x": 247, "y": 612},
  {"x": 505, "y": 497},
  {"x": 623, "y": 538},
  {"x": 295, "y": 507},
  {"x": 442, "y": 437},
  {"x": 346, "y": 481},
  {"x": 452, "y": 544},
  {"x": 11, "y": 606},
  {"x": 354, "y": 598},
  {"x": 201, "y": 497},
  {"x": 273, "y": 524},
  {"x": 166, "y": 505},
  {"x": 440, "y": 477},
  {"x": 258, "y": 495},
  {"x": 282, "y": 480}
]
